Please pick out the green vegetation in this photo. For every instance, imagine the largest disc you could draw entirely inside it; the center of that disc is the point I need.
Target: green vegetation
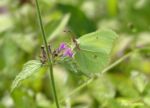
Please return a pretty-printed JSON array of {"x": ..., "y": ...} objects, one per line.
[{"x": 98, "y": 51}]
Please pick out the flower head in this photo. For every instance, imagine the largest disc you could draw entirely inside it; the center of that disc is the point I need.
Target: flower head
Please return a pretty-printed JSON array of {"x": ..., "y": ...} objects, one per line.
[
  {"x": 62, "y": 46},
  {"x": 64, "y": 50},
  {"x": 68, "y": 52}
]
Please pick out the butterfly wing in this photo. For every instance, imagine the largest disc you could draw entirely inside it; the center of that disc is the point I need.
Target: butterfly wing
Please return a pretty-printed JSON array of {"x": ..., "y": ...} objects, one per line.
[{"x": 95, "y": 49}]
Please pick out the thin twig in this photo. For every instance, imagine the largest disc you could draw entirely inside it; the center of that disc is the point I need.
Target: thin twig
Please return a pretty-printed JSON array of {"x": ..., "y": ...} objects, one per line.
[
  {"x": 50, "y": 61},
  {"x": 93, "y": 78}
]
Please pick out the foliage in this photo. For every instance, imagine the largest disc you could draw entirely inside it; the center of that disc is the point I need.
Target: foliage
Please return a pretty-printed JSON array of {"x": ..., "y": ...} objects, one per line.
[
  {"x": 29, "y": 68},
  {"x": 126, "y": 85}
]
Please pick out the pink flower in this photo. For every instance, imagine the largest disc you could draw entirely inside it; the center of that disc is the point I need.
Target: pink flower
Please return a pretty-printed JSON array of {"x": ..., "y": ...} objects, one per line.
[
  {"x": 65, "y": 50},
  {"x": 62, "y": 46},
  {"x": 68, "y": 52}
]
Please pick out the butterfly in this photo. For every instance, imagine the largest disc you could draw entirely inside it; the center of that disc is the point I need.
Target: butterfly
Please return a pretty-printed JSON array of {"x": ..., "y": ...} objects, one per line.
[{"x": 95, "y": 49}]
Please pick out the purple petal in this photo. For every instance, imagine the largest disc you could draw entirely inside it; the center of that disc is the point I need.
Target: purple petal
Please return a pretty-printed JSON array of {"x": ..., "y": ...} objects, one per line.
[
  {"x": 62, "y": 46},
  {"x": 68, "y": 52}
]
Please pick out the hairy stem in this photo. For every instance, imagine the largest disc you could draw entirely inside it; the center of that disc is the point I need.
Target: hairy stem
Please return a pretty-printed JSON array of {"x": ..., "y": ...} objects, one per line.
[{"x": 50, "y": 61}]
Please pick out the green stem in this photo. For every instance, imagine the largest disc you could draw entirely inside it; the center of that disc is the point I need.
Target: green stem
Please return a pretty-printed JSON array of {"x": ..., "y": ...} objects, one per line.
[
  {"x": 50, "y": 62},
  {"x": 116, "y": 63},
  {"x": 93, "y": 78}
]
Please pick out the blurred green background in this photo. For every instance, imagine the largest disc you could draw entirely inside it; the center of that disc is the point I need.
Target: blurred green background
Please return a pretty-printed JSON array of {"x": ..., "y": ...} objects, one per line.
[{"x": 125, "y": 86}]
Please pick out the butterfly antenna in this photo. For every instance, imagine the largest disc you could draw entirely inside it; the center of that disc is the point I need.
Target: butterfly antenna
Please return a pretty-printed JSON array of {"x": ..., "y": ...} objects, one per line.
[
  {"x": 70, "y": 33},
  {"x": 73, "y": 38}
]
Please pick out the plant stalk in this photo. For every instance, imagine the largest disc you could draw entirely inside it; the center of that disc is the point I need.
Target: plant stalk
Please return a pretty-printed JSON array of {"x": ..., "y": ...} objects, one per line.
[
  {"x": 50, "y": 61},
  {"x": 105, "y": 70}
]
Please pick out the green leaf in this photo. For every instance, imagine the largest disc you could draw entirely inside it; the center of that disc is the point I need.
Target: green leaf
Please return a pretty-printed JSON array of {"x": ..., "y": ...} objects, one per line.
[
  {"x": 146, "y": 100},
  {"x": 112, "y": 7},
  {"x": 29, "y": 68},
  {"x": 95, "y": 49},
  {"x": 130, "y": 103},
  {"x": 102, "y": 89},
  {"x": 139, "y": 80},
  {"x": 59, "y": 27},
  {"x": 5, "y": 22},
  {"x": 25, "y": 41},
  {"x": 79, "y": 22}
]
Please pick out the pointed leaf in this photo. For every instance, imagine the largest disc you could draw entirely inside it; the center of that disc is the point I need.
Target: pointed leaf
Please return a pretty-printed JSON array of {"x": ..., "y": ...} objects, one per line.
[
  {"x": 29, "y": 68},
  {"x": 139, "y": 80},
  {"x": 25, "y": 41},
  {"x": 60, "y": 27}
]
